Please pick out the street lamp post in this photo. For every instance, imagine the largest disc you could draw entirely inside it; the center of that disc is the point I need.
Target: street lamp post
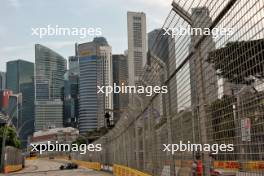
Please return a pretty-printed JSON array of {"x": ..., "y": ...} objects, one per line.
[{"x": 18, "y": 108}]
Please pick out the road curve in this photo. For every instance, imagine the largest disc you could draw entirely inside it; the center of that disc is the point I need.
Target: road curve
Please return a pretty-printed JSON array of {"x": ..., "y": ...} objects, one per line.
[{"x": 44, "y": 167}]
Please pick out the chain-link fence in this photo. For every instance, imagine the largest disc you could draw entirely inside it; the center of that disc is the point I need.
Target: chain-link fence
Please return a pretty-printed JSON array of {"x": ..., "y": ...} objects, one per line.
[{"x": 215, "y": 95}]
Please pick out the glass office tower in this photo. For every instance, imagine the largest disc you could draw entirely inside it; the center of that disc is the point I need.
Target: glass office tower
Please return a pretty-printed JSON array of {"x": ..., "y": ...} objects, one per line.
[
  {"x": 95, "y": 67},
  {"x": 120, "y": 75},
  {"x": 50, "y": 69},
  {"x": 20, "y": 79},
  {"x": 88, "y": 112},
  {"x": 2, "y": 80},
  {"x": 71, "y": 99}
]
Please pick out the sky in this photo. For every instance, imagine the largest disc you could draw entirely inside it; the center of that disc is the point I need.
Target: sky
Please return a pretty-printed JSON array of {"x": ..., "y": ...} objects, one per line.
[{"x": 18, "y": 17}]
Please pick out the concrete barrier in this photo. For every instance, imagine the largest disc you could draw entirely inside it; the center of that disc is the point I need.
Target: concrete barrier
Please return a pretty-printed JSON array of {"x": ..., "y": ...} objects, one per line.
[
  {"x": 89, "y": 165},
  {"x": 12, "y": 168},
  {"x": 119, "y": 170}
]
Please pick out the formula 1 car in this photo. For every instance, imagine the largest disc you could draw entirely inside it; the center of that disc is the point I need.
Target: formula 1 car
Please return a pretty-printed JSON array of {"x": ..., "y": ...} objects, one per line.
[{"x": 69, "y": 166}]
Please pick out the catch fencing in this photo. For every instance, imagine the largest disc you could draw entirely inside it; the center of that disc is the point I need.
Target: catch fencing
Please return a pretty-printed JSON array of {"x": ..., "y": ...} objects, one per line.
[{"x": 215, "y": 95}]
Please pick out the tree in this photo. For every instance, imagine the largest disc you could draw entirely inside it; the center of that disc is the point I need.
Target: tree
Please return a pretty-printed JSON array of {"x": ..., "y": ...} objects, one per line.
[
  {"x": 11, "y": 137},
  {"x": 239, "y": 62},
  {"x": 80, "y": 140}
]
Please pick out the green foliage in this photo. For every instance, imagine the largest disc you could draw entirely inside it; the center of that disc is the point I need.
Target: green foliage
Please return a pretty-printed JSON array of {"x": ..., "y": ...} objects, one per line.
[
  {"x": 11, "y": 137},
  {"x": 91, "y": 136},
  {"x": 238, "y": 61},
  {"x": 97, "y": 133},
  {"x": 80, "y": 140}
]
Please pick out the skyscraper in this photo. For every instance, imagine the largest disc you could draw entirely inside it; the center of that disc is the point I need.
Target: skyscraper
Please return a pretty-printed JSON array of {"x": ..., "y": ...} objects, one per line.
[
  {"x": 73, "y": 65},
  {"x": 120, "y": 75},
  {"x": 163, "y": 47},
  {"x": 49, "y": 72},
  {"x": 136, "y": 31},
  {"x": 89, "y": 111},
  {"x": 20, "y": 79},
  {"x": 48, "y": 114},
  {"x": 2, "y": 80},
  {"x": 137, "y": 48},
  {"x": 95, "y": 59},
  {"x": 71, "y": 94}
]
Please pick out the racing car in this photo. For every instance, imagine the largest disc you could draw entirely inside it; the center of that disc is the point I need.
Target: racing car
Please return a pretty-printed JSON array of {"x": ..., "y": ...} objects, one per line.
[{"x": 69, "y": 166}]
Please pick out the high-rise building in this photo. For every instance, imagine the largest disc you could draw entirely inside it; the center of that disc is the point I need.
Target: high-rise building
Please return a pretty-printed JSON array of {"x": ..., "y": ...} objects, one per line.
[
  {"x": 120, "y": 76},
  {"x": 73, "y": 65},
  {"x": 20, "y": 79},
  {"x": 137, "y": 54},
  {"x": 48, "y": 114},
  {"x": 71, "y": 93},
  {"x": 50, "y": 69},
  {"x": 89, "y": 112},
  {"x": 162, "y": 47},
  {"x": 137, "y": 48},
  {"x": 71, "y": 99},
  {"x": 95, "y": 60},
  {"x": 2, "y": 80},
  {"x": 49, "y": 81}
]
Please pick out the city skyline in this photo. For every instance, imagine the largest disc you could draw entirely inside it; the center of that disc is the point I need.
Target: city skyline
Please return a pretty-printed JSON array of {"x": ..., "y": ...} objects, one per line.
[
  {"x": 18, "y": 43},
  {"x": 141, "y": 95}
]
